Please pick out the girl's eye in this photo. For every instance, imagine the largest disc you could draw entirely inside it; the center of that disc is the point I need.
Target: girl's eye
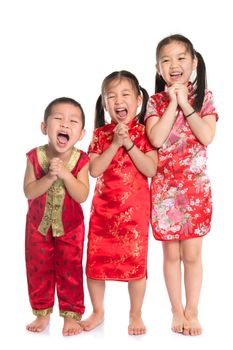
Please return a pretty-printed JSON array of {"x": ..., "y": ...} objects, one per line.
[
  {"x": 58, "y": 118},
  {"x": 74, "y": 121},
  {"x": 110, "y": 96}
]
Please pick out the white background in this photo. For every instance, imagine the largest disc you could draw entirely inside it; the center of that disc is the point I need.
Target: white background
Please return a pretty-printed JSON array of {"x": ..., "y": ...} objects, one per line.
[{"x": 60, "y": 48}]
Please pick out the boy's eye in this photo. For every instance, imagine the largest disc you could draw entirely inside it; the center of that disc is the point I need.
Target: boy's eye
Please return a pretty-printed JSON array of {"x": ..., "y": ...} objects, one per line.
[{"x": 74, "y": 121}]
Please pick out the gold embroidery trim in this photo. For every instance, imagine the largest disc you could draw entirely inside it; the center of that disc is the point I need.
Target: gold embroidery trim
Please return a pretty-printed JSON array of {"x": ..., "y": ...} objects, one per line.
[
  {"x": 44, "y": 312},
  {"x": 70, "y": 314},
  {"x": 55, "y": 195}
]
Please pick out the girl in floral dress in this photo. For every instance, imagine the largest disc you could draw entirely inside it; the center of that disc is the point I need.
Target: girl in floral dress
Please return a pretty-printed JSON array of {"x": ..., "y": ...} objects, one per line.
[
  {"x": 180, "y": 122},
  {"x": 121, "y": 157}
]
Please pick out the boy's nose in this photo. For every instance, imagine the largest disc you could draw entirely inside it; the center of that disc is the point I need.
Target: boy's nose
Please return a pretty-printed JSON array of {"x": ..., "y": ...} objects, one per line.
[{"x": 64, "y": 124}]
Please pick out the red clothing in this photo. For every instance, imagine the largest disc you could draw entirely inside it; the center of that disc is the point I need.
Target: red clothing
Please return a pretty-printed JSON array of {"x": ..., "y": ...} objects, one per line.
[
  {"x": 180, "y": 191},
  {"x": 54, "y": 240},
  {"x": 119, "y": 222}
]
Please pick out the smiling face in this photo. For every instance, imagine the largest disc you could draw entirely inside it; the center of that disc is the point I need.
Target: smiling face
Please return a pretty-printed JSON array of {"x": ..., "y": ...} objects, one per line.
[
  {"x": 175, "y": 63},
  {"x": 64, "y": 127},
  {"x": 121, "y": 100}
]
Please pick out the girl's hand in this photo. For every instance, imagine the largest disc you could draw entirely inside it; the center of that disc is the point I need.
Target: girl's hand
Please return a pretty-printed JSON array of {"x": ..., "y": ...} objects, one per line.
[
  {"x": 181, "y": 91},
  {"x": 123, "y": 131},
  {"x": 118, "y": 135},
  {"x": 172, "y": 94}
]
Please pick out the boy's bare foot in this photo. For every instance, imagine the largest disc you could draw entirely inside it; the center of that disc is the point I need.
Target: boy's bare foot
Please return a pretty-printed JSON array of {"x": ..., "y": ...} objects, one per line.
[
  {"x": 71, "y": 327},
  {"x": 178, "y": 322},
  {"x": 192, "y": 326},
  {"x": 136, "y": 326},
  {"x": 39, "y": 325},
  {"x": 92, "y": 321}
]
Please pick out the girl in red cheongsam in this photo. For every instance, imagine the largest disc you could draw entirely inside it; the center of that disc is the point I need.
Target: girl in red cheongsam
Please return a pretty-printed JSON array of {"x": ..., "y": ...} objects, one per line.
[
  {"x": 56, "y": 182},
  {"x": 180, "y": 122},
  {"x": 121, "y": 158}
]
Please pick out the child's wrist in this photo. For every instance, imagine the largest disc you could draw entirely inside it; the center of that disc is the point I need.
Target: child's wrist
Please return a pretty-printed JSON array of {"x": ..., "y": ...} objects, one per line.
[{"x": 128, "y": 148}]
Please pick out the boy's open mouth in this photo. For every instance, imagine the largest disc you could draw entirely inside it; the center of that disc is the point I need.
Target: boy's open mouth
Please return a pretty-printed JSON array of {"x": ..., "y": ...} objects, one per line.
[{"x": 63, "y": 137}]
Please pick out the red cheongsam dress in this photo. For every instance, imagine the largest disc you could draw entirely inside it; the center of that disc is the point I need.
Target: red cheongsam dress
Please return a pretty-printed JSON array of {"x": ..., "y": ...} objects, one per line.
[
  {"x": 54, "y": 242},
  {"x": 120, "y": 213},
  {"x": 180, "y": 191}
]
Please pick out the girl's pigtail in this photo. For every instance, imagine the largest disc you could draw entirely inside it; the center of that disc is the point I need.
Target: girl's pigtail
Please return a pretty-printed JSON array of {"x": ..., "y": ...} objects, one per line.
[
  {"x": 145, "y": 98},
  {"x": 200, "y": 82},
  {"x": 99, "y": 113},
  {"x": 159, "y": 83}
]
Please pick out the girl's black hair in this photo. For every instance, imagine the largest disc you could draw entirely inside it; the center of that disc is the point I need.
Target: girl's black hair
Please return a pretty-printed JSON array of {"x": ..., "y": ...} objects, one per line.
[
  {"x": 200, "y": 82},
  {"x": 119, "y": 75},
  {"x": 59, "y": 100}
]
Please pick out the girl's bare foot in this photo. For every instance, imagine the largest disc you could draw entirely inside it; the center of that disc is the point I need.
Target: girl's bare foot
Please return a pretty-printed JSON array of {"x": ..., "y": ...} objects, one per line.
[
  {"x": 92, "y": 321},
  {"x": 178, "y": 322},
  {"x": 192, "y": 326},
  {"x": 71, "y": 327},
  {"x": 39, "y": 325},
  {"x": 136, "y": 326}
]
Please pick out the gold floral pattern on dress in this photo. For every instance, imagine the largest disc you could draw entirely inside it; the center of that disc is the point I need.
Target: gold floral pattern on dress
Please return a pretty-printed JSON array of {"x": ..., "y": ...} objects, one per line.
[{"x": 120, "y": 212}]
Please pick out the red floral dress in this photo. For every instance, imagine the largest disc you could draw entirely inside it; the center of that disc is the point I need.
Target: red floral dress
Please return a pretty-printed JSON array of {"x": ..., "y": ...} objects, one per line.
[
  {"x": 180, "y": 191},
  {"x": 120, "y": 214}
]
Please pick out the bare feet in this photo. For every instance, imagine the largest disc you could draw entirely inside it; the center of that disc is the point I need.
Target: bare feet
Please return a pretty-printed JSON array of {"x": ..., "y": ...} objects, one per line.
[
  {"x": 71, "y": 327},
  {"x": 39, "y": 325},
  {"x": 178, "y": 322},
  {"x": 136, "y": 326},
  {"x": 192, "y": 326},
  {"x": 92, "y": 321}
]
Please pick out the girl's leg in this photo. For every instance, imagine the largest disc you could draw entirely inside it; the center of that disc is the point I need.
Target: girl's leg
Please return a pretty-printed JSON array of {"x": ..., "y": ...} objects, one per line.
[
  {"x": 137, "y": 290},
  {"x": 96, "y": 290},
  {"x": 172, "y": 276},
  {"x": 191, "y": 252}
]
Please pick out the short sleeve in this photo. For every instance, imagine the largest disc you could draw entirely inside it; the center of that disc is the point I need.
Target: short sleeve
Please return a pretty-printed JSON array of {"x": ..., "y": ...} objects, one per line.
[
  {"x": 156, "y": 105},
  {"x": 150, "y": 109},
  {"x": 148, "y": 146},
  {"x": 208, "y": 107},
  {"x": 94, "y": 146}
]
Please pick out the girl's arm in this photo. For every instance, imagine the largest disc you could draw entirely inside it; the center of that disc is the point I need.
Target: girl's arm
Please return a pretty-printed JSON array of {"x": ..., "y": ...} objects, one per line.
[
  {"x": 100, "y": 162},
  {"x": 158, "y": 129},
  {"x": 146, "y": 163},
  {"x": 203, "y": 128},
  {"x": 34, "y": 188}
]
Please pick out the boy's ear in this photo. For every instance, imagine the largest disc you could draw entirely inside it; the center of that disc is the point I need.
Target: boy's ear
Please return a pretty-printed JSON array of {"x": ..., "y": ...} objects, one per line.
[
  {"x": 82, "y": 134},
  {"x": 43, "y": 128}
]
